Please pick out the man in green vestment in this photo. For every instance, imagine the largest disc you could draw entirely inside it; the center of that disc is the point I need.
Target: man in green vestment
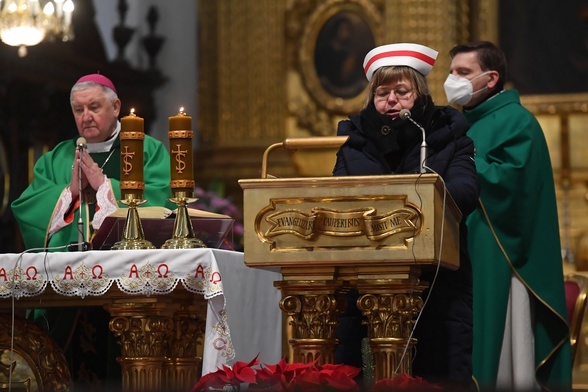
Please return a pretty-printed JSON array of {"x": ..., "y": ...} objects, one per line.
[
  {"x": 47, "y": 211},
  {"x": 521, "y": 339}
]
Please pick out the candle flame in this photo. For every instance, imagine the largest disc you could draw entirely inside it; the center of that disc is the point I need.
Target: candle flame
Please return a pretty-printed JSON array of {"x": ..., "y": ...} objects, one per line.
[
  {"x": 181, "y": 110},
  {"x": 132, "y": 111}
]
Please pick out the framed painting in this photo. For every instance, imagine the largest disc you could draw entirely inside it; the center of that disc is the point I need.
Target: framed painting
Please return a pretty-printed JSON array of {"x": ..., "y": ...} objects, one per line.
[{"x": 334, "y": 45}]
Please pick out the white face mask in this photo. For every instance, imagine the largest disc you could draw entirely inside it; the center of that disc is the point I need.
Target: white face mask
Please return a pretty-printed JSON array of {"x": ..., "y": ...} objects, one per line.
[{"x": 460, "y": 90}]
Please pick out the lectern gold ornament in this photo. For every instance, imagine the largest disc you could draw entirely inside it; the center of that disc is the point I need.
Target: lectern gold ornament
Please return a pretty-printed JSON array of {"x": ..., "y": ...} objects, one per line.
[
  {"x": 131, "y": 182},
  {"x": 182, "y": 181},
  {"x": 328, "y": 235}
]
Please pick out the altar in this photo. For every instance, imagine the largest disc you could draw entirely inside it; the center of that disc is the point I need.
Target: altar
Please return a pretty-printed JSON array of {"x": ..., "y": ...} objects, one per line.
[{"x": 177, "y": 313}]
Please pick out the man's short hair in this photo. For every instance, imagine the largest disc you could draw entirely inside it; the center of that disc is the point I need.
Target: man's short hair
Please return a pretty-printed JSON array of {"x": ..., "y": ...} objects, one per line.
[{"x": 489, "y": 56}]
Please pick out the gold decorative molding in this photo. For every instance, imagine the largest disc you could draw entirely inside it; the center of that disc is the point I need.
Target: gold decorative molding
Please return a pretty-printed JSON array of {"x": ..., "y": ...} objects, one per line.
[
  {"x": 556, "y": 103},
  {"x": 37, "y": 357},
  {"x": 279, "y": 212},
  {"x": 312, "y": 307},
  {"x": 364, "y": 21},
  {"x": 159, "y": 344},
  {"x": 390, "y": 315}
]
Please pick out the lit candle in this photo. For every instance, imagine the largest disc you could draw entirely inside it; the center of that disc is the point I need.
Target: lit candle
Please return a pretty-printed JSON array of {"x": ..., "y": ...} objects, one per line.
[
  {"x": 181, "y": 154},
  {"x": 59, "y": 4},
  {"x": 131, "y": 157},
  {"x": 68, "y": 8}
]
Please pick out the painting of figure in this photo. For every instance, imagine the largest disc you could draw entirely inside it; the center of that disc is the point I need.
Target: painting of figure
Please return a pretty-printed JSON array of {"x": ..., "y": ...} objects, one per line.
[{"x": 341, "y": 45}]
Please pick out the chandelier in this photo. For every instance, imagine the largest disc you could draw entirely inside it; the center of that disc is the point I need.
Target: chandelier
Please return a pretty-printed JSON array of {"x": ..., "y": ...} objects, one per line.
[{"x": 27, "y": 22}]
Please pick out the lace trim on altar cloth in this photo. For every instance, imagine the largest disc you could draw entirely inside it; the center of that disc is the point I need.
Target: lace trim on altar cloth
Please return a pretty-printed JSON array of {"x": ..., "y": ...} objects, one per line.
[
  {"x": 93, "y": 276},
  {"x": 141, "y": 272}
]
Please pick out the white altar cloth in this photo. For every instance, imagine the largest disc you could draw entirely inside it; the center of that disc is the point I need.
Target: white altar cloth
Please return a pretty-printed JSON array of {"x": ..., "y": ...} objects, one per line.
[{"x": 140, "y": 272}]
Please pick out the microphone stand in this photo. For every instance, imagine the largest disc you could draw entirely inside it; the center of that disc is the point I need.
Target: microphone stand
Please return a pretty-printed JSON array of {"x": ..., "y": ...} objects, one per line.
[
  {"x": 81, "y": 239},
  {"x": 423, "y": 150},
  {"x": 407, "y": 116}
]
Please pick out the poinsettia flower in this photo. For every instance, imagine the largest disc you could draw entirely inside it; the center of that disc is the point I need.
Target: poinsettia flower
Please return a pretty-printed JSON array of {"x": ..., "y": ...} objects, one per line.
[
  {"x": 210, "y": 380},
  {"x": 226, "y": 375},
  {"x": 340, "y": 377},
  {"x": 282, "y": 377},
  {"x": 348, "y": 370},
  {"x": 292, "y": 373},
  {"x": 266, "y": 381},
  {"x": 244, "y": 372},
  {"x": 404, "y": 382},
  {"x": 309, "y": 381}
]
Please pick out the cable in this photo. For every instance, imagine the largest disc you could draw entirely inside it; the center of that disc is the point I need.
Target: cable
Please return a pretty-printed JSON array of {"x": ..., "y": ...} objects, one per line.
[
  {"x": 17, "y": 264},
  {"x": 438, "y": 264}
]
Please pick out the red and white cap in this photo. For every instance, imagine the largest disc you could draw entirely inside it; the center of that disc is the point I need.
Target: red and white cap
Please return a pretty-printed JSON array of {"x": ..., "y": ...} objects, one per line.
[
  {"x": 416, "y": 56},
  {"x": 99, "y": 79}
]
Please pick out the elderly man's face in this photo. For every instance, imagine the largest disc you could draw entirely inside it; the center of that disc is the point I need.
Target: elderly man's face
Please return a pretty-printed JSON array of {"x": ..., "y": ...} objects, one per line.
[{"x": 94, "y": 114}]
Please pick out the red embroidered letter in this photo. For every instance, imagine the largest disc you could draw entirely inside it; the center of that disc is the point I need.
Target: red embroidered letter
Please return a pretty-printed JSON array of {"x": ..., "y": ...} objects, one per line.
[
  {"x": 134, "y": 270},
  {"x": 34, "y": 274},
  {"x": 199, "y": 272},
  {"x": 68, "y": 272},
  {"x": 99, "y": 274},
  {"x": 165, "y": 269},
  {"x": 218, "y": 277}
]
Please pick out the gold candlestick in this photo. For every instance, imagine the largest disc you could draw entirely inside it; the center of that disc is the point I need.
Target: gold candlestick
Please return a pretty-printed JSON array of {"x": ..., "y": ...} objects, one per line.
[
  {"x": 182, "y": 181},
  {"x": 131, "y": 182}
]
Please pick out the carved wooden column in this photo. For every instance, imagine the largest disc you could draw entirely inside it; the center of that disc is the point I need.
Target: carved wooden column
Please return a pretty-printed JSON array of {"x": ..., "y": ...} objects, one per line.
[
  {"x": 159, "y": 340},
  {"x": 142, "y": 340},
  {"x": 313, "y": 307},
  {"x": 183, "y": 367},
  {"x": 391, "y": 307}
]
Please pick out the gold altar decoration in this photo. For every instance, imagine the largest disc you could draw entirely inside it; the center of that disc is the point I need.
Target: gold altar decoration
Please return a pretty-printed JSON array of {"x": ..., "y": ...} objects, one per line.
[
  {"x": 182, "y": 181},
  {"x": 313, "y": 307},
  {"x": 159, "y": 345},
  {"x": 161, "y": 339},
  {"x": 131, "y": 181},
  {"x": 328, "y": 235},
  {"x": 37, "y": 362}
]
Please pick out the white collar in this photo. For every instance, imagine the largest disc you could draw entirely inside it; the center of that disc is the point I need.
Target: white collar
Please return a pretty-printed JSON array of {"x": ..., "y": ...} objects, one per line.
[{"x": 106, "y": 145}]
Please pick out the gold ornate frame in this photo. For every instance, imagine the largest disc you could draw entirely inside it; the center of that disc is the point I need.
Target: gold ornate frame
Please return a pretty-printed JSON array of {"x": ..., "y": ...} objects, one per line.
[{"x": 367, "y": 12}]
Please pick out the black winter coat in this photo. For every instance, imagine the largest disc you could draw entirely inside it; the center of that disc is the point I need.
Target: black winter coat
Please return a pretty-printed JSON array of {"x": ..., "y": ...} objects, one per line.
[
  {"x": 445, "y": 329},
  {"x": 450, "y": 154}
]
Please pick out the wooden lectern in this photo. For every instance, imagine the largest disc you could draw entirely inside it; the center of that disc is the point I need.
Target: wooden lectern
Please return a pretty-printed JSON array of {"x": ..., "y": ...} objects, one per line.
[{"x": 370, "y": 233}]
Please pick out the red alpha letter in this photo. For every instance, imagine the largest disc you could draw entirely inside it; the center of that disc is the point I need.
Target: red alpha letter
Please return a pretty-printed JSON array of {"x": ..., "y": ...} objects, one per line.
[
  {"x": 69, "y": 272},
  {"x": 199, "y": 271},
  {"x": 3, "y": 274},
  {"x": 134, "y": 270}
]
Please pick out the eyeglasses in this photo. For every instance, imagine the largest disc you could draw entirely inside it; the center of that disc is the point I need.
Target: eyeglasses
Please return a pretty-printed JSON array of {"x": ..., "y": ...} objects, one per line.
[{"x": 382, "y": 93}]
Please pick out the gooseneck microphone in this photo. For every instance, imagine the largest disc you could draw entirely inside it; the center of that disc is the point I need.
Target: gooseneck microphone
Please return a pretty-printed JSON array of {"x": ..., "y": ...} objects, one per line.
[
  {"x": 406, "y": 115},
  {"x": 81, "y": 145}
]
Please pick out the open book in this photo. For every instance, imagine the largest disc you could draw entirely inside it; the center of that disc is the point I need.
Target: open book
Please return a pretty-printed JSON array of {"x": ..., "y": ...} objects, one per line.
[
  {"x": 162, "y": 213},
  {"x": 158, "y": 226}
]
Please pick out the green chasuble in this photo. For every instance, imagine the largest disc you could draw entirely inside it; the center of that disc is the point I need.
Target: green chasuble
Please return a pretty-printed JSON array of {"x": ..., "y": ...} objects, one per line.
[
  {"x": 517, "y": 192},
  {"x": 52, "y": 174}
]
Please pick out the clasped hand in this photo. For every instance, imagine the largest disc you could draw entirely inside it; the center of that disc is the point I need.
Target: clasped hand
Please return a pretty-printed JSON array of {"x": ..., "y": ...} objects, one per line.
[{"x": 91, "y": 173}]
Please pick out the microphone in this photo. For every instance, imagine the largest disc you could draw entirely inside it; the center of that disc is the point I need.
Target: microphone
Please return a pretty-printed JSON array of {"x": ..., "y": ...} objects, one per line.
[
  {"x": 81, "y": 145},
  {"x": 406, "y": 115}
]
